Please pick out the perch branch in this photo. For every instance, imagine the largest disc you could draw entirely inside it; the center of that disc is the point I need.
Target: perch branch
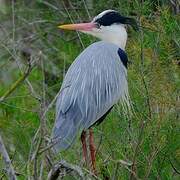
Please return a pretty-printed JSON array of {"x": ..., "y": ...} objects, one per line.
[{"x": 63, "y": 165}]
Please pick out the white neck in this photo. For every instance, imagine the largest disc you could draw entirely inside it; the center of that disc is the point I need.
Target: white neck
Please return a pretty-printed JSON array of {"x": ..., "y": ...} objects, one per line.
[{"x": 115, "y": 34}]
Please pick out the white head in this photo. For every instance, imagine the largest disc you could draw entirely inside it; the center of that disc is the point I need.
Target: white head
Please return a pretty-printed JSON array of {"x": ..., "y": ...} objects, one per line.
[{"x": 108, "y": 26}]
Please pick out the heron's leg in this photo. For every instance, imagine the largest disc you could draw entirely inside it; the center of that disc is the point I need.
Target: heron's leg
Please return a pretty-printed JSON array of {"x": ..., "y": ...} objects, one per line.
[
  {"x": 84, "y": 146},
  {"x": 92, "y": 150}
]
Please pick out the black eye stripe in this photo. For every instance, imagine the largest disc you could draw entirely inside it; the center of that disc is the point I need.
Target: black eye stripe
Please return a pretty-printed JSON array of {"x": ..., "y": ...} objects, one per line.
[{"x": 110, "y": 18}]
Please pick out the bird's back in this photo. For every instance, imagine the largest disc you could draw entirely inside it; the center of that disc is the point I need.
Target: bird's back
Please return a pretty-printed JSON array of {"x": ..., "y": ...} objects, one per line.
[{"x": 95, "y": 81}]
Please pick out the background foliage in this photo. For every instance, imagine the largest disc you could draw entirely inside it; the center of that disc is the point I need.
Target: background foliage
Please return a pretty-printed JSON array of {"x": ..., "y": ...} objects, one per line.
[{"x": 144, "y": 145}]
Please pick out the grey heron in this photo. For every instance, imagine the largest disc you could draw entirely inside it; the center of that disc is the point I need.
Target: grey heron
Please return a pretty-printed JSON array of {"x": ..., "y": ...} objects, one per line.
[{"x": 94, "y": 82}]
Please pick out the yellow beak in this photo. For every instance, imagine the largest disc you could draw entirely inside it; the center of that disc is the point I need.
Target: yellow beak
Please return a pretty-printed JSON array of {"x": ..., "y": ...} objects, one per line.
[{"x": 78, "y": 27}]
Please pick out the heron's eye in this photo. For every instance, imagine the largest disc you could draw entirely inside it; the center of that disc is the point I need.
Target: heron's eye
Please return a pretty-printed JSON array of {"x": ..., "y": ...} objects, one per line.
[{"x": 98, "y": 26}]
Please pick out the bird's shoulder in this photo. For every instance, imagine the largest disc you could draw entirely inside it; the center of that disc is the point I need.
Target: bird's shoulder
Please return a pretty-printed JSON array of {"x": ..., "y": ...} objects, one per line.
[
  {"x": 104, "y": 43},
  {"x": 98, "y": 52},
  {"x": 102, "y": 52}
]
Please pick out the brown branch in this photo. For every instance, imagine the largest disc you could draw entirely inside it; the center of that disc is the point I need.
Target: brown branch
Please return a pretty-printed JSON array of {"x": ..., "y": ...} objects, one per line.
[
  {"x": 126, "y": 165},
  {"x": 150, "y": 162},
  {"x": 9, "y": 168}
]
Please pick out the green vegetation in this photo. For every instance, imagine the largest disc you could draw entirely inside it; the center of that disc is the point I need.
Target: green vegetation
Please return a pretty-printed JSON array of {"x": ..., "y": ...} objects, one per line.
[{"x": 144, "y": 145}]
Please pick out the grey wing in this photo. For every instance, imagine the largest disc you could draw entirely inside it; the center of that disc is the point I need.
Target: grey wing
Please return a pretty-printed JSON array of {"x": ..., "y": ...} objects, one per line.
[{"x": 93, "y": 84}]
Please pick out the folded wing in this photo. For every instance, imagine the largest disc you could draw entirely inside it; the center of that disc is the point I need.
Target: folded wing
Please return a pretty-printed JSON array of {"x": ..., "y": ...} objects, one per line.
[{"x": 93, "y": 84}]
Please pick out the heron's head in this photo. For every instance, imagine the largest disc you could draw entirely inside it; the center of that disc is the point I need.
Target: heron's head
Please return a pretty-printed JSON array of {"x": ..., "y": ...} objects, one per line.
[{"x": 108, "y": 26}]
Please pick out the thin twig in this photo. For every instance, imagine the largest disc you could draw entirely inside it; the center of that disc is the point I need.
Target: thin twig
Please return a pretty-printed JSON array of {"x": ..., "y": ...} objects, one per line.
[
  {"x": 137, "y": 149},
  {"x": 142, "y": 73},
  {"x": 150, "y": 163},
  {"x": 13, "y": 20},
  {"x": 7, "y": 161},
  {"x": 42, "y": 118},
  {"x": 86, "y": 8},
  {"x": 175, "y": 169},
  {"x": 52, "y": 6},
  {"x": 33, "y": 143},
  {"x": 82, "y": 44},
  {"x": 17, "y": 83}
]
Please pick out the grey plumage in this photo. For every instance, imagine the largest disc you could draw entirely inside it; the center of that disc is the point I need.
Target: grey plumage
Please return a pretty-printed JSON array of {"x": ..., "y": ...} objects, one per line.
[{"x": 95, "y": 81}]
